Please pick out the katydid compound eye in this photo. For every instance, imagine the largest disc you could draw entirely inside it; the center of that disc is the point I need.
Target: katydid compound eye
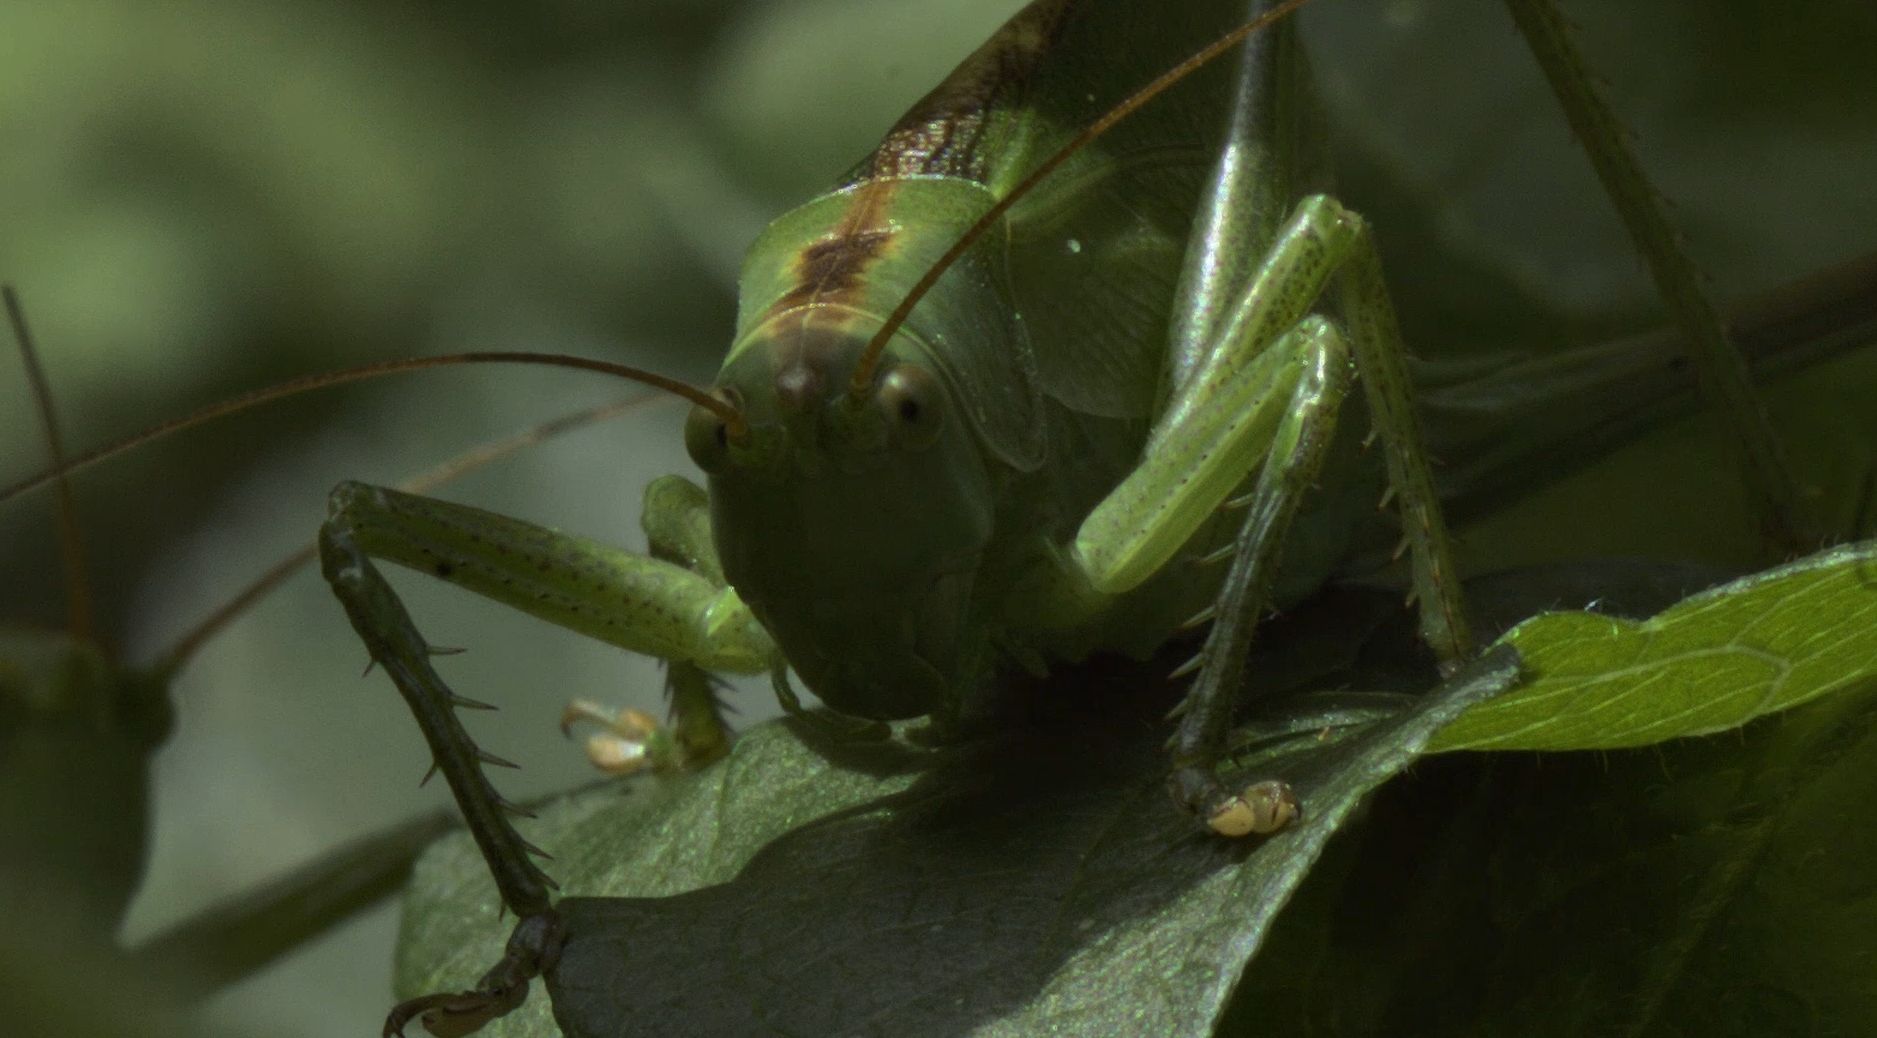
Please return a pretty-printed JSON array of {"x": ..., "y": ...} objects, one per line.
[
  {"x": 914, "y": 405},
  {"x": 707, "y": 439}
]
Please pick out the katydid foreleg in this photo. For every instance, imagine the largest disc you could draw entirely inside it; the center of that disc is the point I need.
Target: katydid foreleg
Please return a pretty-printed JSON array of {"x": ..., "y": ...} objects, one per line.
[
  {"x": 394, "y": 643},
  {"x": 673, "y": 605},
  {"x": 645, "y": 604},
  {"x": 1296, "y": 455},
  {"x": 676, "y": 519}
]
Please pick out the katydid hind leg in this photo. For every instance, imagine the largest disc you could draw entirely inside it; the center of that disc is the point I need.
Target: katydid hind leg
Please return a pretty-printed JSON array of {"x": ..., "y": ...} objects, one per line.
[{"x": 1268, "y": 157}]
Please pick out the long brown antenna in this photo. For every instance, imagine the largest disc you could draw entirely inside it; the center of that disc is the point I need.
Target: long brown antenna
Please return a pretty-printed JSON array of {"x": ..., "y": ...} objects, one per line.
[
  {"x": 293, "y": 387},
  {"x": 870, "y": 358},
  {"x": 185, "y": 647},
  {"x": 81, "y": 620}
]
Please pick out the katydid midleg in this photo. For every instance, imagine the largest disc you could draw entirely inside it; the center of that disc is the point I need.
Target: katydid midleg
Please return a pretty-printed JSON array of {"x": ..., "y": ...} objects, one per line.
[{"x": 1151, "y": 114}]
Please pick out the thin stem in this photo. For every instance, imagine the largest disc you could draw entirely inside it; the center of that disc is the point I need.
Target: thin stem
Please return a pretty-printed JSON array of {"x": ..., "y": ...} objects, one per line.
[{"x": 1718, "y": 362}]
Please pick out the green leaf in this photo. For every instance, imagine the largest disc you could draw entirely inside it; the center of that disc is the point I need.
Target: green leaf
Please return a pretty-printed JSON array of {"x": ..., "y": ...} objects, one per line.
[
  {"x": 1713, "y": 662},
  {"x": 1035, "y": 880},
  {"x": 1721, "y": 886}
]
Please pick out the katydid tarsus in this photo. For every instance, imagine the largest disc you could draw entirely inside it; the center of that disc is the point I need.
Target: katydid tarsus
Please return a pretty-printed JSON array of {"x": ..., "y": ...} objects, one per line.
[{"x": 1089, "y": 244}]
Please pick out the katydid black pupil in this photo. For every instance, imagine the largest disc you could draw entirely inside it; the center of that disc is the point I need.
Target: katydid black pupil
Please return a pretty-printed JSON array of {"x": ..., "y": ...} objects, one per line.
[
  {"x": 722, "y": 432},
  {"x": 909, "y": 410}
]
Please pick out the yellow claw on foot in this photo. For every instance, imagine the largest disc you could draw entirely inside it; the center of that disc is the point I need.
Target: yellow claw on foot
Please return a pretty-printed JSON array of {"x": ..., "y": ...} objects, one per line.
[
  {"x": 1262, "y": 807},
  {"x": 628, "y": 740}
]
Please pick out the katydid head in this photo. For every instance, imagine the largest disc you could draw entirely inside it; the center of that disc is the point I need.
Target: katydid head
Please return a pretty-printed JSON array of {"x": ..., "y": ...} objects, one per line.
[
  {"x": 851, "y": 525},
  {"x": 77, "y": 731}
]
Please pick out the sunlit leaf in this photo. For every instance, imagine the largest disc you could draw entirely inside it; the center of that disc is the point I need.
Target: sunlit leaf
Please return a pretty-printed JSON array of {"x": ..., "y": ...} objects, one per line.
[{"x": 1765, "y": 643}]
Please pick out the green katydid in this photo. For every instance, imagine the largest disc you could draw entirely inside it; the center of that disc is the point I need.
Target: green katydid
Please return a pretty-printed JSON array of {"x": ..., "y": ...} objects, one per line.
[
  {"x": 1078, "y": 243},
  {"x": 78, "y": 731},
  {"x": 843, "y": 411},
  {"x": 883, "y": 379},
  {"x": 76, "y": 723}
]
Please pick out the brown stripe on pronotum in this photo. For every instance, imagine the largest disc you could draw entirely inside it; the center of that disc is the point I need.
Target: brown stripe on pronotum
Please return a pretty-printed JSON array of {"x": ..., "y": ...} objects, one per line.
[
  {"x": 862, "y": 378},
  {"x": 835, "y": 265},
  {"x": 937, "y": 137}
]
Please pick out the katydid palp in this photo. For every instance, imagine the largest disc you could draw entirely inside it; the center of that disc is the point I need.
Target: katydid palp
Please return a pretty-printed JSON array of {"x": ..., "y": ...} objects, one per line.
[{"x": 1078, "y": 240}]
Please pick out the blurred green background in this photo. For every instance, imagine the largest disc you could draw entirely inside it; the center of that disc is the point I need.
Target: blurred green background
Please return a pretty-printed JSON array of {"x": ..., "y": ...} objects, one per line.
[{"x": 197, "y": 198}]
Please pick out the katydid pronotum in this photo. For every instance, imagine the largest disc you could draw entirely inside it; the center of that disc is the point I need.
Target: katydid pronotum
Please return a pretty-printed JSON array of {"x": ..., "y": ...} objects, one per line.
[{"x": 1145, "y": 116}]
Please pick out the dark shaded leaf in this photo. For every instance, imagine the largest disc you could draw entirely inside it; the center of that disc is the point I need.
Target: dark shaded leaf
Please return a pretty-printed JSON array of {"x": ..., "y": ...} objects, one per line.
[
  {"x": 1717, "y": 886},
  {"x": 1035, "y": 880}
]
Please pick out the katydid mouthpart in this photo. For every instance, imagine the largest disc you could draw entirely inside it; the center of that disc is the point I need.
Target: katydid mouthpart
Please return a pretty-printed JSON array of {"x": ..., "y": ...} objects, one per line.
[{"x": 976, "y": 455}]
